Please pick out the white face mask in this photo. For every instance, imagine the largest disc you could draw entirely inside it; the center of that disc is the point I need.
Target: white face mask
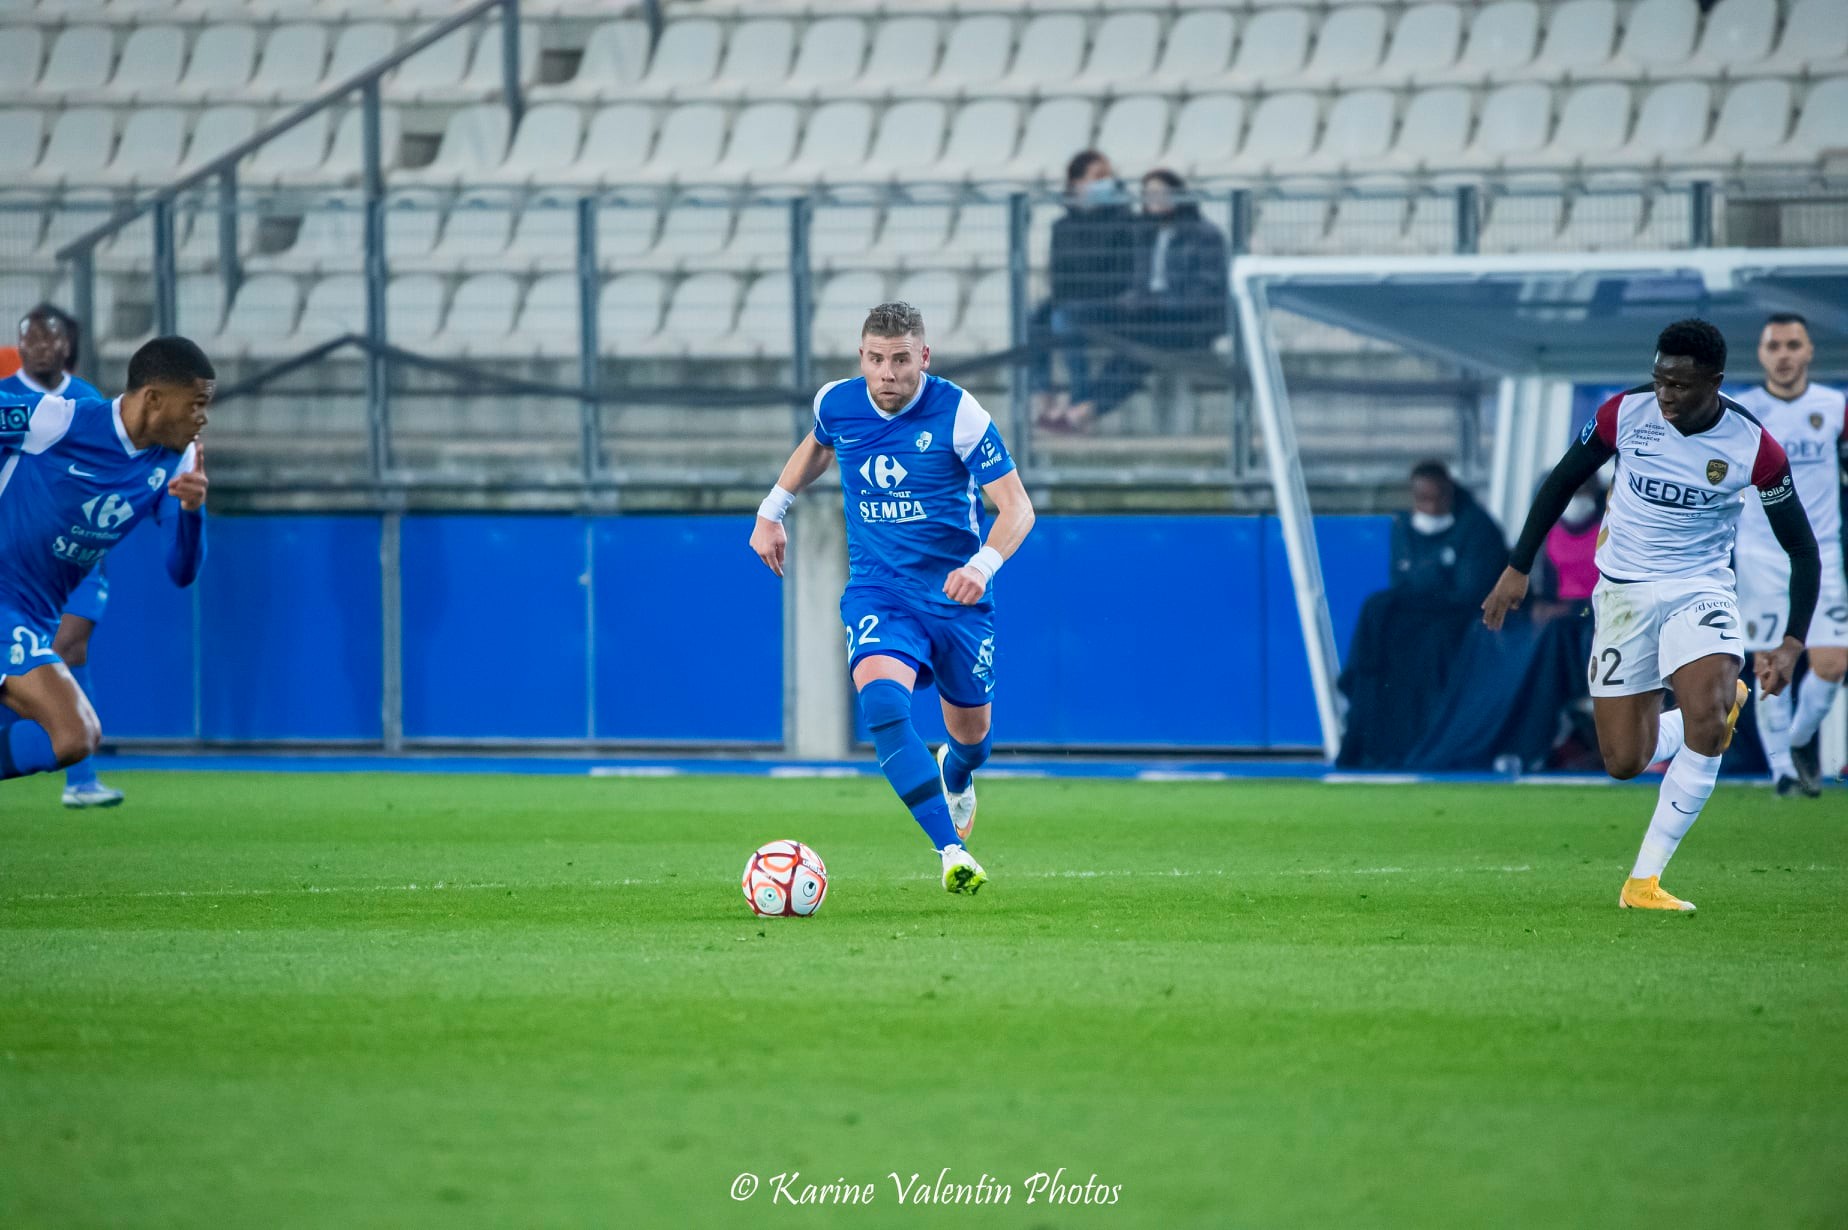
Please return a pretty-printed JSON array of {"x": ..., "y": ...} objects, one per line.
[
  {"x": 1432, "y": 523},
  {"x": 1580, "y": 509}
]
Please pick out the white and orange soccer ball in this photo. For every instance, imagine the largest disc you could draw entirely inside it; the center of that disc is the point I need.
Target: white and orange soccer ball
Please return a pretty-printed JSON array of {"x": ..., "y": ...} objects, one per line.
[{"x": 785, "y": 879}]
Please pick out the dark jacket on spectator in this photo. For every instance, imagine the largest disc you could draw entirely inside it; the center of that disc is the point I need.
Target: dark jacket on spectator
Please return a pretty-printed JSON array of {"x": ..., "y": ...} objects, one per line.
[
  {"x": 1459, "y": 565},
  {"x": 1093, "y": 253},
  {"x": 1194, "y": 265}
]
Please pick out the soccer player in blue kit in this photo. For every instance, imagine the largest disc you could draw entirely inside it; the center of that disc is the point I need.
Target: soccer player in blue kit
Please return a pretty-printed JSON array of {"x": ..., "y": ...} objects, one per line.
[
  {"x": 75, "y": 478},
  {"x": 913, "y": 451},
  {"x": 48, "y": 346}
]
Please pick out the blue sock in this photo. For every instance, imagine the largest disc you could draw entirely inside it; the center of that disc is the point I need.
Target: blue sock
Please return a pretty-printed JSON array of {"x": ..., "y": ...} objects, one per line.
[
  {"x": 26, "y": 750},
  {"x": 964, "y": 759},
  {"x": 907, "y": 763},
  {"x": 83, "y": 773}
]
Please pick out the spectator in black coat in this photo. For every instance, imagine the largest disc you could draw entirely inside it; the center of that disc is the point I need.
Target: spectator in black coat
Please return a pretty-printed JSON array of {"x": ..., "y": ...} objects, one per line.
[
  {"x": 1175, "y": 299},
  {"x": 1092, "y": 259},
  {"x": 1446, "y": 548}
]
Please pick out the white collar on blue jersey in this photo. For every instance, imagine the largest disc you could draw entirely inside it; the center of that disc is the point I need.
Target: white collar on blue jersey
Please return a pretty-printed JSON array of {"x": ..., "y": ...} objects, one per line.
[
  {"x": 923, "y": 379},
  {"x": 128, "y": 445},
  {"x": 36, "y": 387}
]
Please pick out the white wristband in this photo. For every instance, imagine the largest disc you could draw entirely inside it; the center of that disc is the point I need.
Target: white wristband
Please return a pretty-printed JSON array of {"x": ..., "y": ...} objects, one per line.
[
  {"x": 776, "y": 505},
  {"x": 987, "y": 561}
]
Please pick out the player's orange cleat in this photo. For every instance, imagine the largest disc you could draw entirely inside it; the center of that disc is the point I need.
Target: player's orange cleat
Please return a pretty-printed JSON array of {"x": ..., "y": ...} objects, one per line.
[
  {"x": 1732, "y": 715},
  {"x": 1648, "y": 894}
]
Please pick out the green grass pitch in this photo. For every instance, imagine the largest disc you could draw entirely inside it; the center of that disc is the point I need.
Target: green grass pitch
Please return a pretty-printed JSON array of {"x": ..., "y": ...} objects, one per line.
[{"x": 406, "y": 1001}]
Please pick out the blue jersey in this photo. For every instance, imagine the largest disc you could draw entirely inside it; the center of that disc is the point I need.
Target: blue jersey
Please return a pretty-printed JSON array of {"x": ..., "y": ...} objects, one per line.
[
  {"x": 911, "y": 482},
  {"x": 22, "y": 387},
  {"x": 72, "y": 485}
]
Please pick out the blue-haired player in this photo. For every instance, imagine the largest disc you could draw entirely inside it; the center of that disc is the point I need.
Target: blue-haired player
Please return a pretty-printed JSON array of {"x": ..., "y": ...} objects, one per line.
[
  {"x": 914, "y": 449},
  {"x": 76, "y": 477},
  {"x": 49, "y": 342}
]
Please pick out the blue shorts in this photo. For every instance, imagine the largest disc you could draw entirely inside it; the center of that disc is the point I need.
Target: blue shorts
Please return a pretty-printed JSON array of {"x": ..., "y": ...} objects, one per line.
[
  {"x": 90, "y": 597},
  {"x": 25, "y": 641},
  {"x": 956, "y": 645}
]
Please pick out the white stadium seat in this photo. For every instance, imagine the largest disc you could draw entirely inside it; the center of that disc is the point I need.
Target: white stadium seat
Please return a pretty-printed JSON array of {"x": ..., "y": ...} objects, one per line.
[
  {"x": 1350, "y": 44},
  {"x": 693, "y": 233},
  {"x": 1515, "y": 122},
  {"x": 975, "y": 56},
  {"x": 616, "y": 146},
  {"x": 1603, "y": 222},
  {"x": 909, "y": 140},
  {"x": 1672, "y": 123},
  {"x": 474, "y": 142},
  {"x": 223, "y": 58},
  {"x": 1206, "y": 135},
  {"x": 1433, "y": 132},
  {"x": 1198, "y": 52},
  {"x": 983, "y": 135},
  {"x": 763, "y": 323},
  {"x": 1425, "y": 41},
  {"x": 1580, "y": 38},
  {"x": 692, "y": 137},
  {"x": 629, "y": 312},
  {"x": 614, "y": 59},
  {"x": 986, "y": 318},
  {"x": 152, "y": 58},
  {"x": 413, "y": 309},
  {"x": 1055, "y": 129},
  {"x": 486, "y": 75},
  {"x": 1283, "y": 130},
  {"x": 703, "y": 306},
  {"x": 346, "y": 156},
  {"x": 1123, "y": 54},
  {"x": 1594, "y": 120},
  {"x": 756, "y": 57},
  {"x": 832, "y": 51},
  {"x": 1658, "y": 40},
  {"x": 296, "y": 156},
  {"x": 903, "y": 59},
  {"x": 79, "y": 63},
  {"x": 476, "y": 231},
  {"x": 545, "y": 237},
  {"x": 1820, "y": 127},
  {"x": 436, "y": 70},
  {"x": 22, "y": 135},
  {"x": 199, "y": 304},
  {"x": 1738, "y": 35},
  {"x": 1503, "y": 38},
  {"x": 333, "y": 306},
  {"x": 82, "y": 140},
  {"x": 548, "y": 323},
  {"x": 763, "y": 142},
  {"x": 22, "y": 57},
  {"x": 358, "y": 47},
  {"x": 841, "y": 237},
  {"x": 293, "y": 63},
  {"x": 1366, "y": 224},
  {"x": 413, "y": 223},
  {"x": 332, "y": 235},
  {"x": 625, "y": 233},
  {"x": 759, "y": 240},
  {"x": 1755, "y": 115},
  {"x": 1138, "y": 126},
  {"x": 687, "y": 56},
  {"x": 1283, "y": 225},
  {"x": 1523, "y": 223},
  {"x": 1815, "y": 41},
  {"x": 1358, "y": 134},
  {"x": 1273, "y": 49},
  {"x": 78, "y": 211},
  {"x": 834, "y": 146},
  {"x": 840, "y": 310},
  {"x": 937, "y": 293},
  {"x": 262, "y": 314},
  {"x": 548, "y": 140},
  {"x": 480, "y": 316},
  {"x": 217, "y": 130},
  {"x": 153, "y": 139}
]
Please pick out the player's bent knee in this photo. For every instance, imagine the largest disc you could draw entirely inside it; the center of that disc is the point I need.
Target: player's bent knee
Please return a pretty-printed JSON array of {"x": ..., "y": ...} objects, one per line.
[
  {"x": 1626, "y": 766},
  {"x": 885, "y": 702}
]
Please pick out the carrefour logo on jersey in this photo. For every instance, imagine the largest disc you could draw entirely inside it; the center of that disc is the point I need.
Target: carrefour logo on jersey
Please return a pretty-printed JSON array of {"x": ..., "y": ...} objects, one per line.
[
  {"x": 883, "y": 472},
  {"x": 107, "y": 515},
  {"x": 1674, "y": 495}
]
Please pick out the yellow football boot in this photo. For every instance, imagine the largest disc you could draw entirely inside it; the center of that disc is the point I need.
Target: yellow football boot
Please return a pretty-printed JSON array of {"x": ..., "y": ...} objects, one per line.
[
  {"x": 1732, "y": 715},
  {"x": 1648, "y": 894}
]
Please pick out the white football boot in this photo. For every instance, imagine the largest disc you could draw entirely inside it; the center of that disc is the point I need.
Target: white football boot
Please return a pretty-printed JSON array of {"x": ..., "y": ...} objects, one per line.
[
  {"x": 95, "y": 794},
  {"x": 962, "y": 806},
  {"x": 961, "y": 873}
]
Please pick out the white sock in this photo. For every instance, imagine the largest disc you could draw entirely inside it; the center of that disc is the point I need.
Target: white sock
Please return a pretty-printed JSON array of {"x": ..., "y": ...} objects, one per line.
[
  {"x": 1814, "y": 699},
  {"x": 1671, "y": 734},
  {"x": 1774, "y": 732},
  {"x": 1685, "y": 791}
]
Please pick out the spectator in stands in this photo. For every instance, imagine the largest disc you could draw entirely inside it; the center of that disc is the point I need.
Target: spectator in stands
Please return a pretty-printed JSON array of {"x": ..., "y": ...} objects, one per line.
[
  {"x": 1175, "y": 300},
  {"x": 1567, "y": 568},
  {"x": 1446, "y": 554},
  {"x": 1092, "y": 259}
]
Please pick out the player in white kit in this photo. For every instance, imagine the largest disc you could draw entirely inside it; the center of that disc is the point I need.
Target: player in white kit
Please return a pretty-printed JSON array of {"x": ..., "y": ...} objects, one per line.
[
  {"x": 1664, "y": 603},
  {"x": 1811, "y": 422}
]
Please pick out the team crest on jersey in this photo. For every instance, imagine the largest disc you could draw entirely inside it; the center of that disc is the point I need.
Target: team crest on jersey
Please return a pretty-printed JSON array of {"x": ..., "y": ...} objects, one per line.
[
  {"x": 924, "y": 439},
  {"x": 1716, "y": 471},
  {"x": 158, "y": 477},
  {"x": 1815, "y": 422}
]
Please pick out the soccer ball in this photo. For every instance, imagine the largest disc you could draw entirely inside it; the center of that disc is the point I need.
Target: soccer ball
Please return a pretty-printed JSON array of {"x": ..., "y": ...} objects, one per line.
[{"x": 785, "y": 879}]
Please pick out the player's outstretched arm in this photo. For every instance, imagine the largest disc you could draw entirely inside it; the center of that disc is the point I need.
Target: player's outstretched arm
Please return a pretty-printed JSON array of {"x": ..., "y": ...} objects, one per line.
[
  {"x": 768, "y": 537},
  {"x": 1778, "y": 493},
  {"x": 1594, "y": 447},
  {"x": 185, "y": 524},
  {"x": 1014, "y": 519}
]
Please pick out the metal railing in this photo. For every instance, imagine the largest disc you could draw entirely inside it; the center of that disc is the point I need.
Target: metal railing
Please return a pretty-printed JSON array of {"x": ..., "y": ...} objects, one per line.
[{"x": 80, "y": 252}]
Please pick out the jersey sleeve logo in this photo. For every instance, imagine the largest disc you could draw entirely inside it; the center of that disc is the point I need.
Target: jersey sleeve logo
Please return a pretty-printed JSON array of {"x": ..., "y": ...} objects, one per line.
[{"x": 1716, "y": 471}]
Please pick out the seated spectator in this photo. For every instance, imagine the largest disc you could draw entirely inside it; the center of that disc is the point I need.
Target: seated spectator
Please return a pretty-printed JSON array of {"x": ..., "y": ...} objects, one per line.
[
  {"x": 1175, "y": 300},
  {"x": 1446, "y": 554},
  {"x": 1092, "y": 256}
]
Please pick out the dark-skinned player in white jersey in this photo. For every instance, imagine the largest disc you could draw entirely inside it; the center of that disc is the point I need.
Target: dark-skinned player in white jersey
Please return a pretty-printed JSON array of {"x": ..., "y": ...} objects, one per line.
[{"x": 1665, "y": 604}]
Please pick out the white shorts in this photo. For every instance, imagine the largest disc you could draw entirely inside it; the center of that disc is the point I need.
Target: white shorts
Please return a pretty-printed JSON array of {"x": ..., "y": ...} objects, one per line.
[
  {"x": 1764, "y": 600},
  {"x": 1648, "y": 630}
]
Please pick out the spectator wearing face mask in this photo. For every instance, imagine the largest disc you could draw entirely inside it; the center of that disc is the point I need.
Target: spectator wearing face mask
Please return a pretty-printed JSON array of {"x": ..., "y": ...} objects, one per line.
[
  {"x": 1567, "y": 569},
  {"x": 1092, "y": 260},
  {"x": 1446, "y": 548}
]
